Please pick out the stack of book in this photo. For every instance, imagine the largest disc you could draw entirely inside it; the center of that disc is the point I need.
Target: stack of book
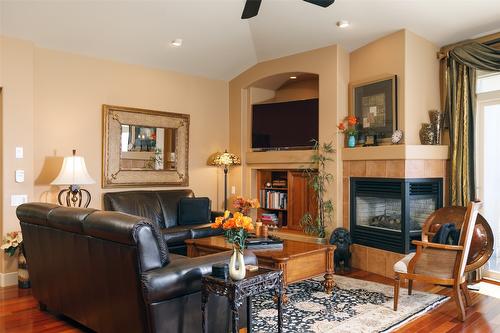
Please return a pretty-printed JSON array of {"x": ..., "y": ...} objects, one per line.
[
  {"x": 273, "y": 199},
  {"x": 269, "y": 218},
  {"x": 278, "y": 183},
  {"x": 264, "y": 243}
]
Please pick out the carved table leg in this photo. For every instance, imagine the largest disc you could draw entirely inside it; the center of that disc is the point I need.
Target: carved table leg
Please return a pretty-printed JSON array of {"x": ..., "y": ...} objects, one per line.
[
  {"x": 249, "y": 314},
  {"x": 204, "y": 314},
  {"x": 282, "y": 266},
  {"x": 280, "y": 309},
  {"x": 284, "y": 297},
  {"x": 235, "y": 316},
  {"x": 329, "y": 283}
]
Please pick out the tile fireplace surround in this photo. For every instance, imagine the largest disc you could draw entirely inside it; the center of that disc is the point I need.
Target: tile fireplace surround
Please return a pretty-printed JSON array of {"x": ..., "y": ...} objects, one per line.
[{"x": 397, "y": 161}]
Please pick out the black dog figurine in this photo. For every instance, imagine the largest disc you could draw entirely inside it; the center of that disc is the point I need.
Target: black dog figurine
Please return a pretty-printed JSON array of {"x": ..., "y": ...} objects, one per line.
[{"x": 341, "y": 238}]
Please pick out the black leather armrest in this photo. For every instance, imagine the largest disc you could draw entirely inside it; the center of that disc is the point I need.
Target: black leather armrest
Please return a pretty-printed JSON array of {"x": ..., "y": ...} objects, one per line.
[
  {"x": 182, "y": 276},
  {"x": 213, "y": 215}
]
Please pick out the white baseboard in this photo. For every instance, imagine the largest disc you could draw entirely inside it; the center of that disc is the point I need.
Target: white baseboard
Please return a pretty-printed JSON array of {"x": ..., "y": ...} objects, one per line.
[{"x": 8, "y": 279}]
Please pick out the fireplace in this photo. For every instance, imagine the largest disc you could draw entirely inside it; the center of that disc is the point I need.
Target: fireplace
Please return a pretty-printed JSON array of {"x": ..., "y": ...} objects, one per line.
[{"x": 388, "y": 213}]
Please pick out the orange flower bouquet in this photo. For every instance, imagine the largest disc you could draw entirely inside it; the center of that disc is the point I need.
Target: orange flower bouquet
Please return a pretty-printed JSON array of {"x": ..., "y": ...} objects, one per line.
[
  {"x": 244, "y": 205},
  {"x": 350, "y": 130},
  {"x": 236, "y": 228}
]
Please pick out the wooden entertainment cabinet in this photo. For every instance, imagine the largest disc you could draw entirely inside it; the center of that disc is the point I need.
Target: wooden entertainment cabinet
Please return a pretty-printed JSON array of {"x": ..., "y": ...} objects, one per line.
[{"x": 289, "y": 196}]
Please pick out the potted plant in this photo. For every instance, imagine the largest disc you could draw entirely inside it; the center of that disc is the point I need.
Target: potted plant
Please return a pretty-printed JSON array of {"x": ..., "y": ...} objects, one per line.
[
  {"x": 11, "y": 242},
  {"x": 350, "y": 130},
  {"x": 319, "y": 182}
]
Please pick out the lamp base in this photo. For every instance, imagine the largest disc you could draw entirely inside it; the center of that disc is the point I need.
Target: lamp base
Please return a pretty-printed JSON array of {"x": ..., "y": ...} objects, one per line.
[{"x": 74, "y": 196}]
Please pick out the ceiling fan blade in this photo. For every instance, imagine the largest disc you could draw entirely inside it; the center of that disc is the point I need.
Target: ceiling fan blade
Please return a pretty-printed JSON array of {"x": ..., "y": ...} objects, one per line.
[
  {"x": 322, "y": 3},
  {"x": 251, "y": 9}
]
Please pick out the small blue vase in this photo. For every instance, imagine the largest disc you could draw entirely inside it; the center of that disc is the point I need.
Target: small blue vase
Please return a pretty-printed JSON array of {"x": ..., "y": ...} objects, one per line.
[{"x": 351, "y": 141}]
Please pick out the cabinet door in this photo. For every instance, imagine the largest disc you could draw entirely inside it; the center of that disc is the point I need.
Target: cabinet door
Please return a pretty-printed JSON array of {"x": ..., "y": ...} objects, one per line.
[{"x": 301, "y": 199}]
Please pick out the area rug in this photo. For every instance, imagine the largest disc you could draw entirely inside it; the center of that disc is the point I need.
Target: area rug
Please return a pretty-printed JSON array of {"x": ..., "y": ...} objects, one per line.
[{"x": 354, "y": 306}]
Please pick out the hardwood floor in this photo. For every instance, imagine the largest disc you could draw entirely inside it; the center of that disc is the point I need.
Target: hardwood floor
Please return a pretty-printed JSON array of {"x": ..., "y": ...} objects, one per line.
[{"x": 19, "y": 313}]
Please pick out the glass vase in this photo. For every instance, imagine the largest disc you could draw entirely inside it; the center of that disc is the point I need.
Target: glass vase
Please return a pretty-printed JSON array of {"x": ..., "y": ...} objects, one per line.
[{"x": 351, "y": 141}]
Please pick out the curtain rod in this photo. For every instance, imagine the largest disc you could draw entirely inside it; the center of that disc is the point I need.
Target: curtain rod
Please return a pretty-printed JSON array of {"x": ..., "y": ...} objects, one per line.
[{"x": 490, "y": 40}]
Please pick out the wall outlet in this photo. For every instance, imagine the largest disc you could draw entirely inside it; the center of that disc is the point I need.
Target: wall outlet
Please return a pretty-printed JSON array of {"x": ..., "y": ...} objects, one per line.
[
  {"x": 19, "y": 152},
  {"x": 233, "y": 189},
  {"x": 19, "y": 176},
  {"x": 18, "y": 199}
]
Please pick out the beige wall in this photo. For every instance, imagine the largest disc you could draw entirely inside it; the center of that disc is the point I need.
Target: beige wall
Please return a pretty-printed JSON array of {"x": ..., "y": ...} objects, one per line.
[
  {"x": 297, "y": 90},
  {"x": 413, "y": 60},
  {"x": 17, "y": 128},
  {"x": 385, "y": 56},
  {"x": 52, "y": 104},
  {"x": 421, "y": 84},
  {"x": 332, "y": 65}
]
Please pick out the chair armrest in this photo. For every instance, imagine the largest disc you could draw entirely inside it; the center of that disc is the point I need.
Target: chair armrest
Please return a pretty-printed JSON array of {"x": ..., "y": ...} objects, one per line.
[
  {"x": 438, "y": 245},
  {"x": 183, "y": 276}
]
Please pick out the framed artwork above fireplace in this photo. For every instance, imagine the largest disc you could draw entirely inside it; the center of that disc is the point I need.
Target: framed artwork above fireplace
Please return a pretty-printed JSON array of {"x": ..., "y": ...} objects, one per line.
[{"x": 374, "y": 103}]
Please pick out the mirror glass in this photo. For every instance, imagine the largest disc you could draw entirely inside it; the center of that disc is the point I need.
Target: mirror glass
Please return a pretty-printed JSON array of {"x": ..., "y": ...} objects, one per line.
[{"x": 147, "y": 148}]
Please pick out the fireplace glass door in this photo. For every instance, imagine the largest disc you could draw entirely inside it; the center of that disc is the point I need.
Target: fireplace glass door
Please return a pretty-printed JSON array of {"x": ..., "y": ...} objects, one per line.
[
  {"x": 379, "y": 212},
  {"x": 388, "y": 213}
]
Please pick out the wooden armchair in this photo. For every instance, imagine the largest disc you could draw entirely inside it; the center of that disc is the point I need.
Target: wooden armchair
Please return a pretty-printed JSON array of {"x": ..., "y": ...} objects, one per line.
[{"x": 441, "y": 264}]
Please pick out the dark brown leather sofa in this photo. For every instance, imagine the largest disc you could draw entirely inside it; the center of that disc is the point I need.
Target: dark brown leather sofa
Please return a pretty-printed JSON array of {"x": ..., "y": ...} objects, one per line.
[
  {"x": 112, "y": 272},
  {"x": 162, "y": 206}
]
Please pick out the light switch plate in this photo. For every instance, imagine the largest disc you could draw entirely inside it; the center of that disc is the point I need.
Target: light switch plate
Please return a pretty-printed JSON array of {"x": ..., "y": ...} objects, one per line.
[
  {"x": 19, "y": 152},
  {"x": 233, "y": 189},
  {"x": 18, "y": 199},
  {"x": 19, "y": 176}
]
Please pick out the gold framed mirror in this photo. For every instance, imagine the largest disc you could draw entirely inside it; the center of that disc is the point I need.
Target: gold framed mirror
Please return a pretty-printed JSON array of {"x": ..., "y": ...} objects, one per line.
[{"x": 144, "y": 147}]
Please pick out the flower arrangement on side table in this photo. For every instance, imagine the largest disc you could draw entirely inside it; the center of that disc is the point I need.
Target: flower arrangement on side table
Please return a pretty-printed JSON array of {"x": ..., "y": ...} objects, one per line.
[
  {"x": 350, "y": 130},
  {"x": 236, "y": 229}
]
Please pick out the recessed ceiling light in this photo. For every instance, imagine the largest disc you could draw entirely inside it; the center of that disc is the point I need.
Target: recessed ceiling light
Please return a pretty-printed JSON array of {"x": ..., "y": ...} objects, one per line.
[
  {"x": 293, "y": 77},
  {"x": 176, "y": 42},
  {"x": 343, "y": 24}
]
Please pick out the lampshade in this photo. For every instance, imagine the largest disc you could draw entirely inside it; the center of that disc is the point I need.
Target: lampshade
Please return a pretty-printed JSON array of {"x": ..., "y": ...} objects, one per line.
[
  {"x": 224, "y": 159},
  {"x": 73, "y": 172}
]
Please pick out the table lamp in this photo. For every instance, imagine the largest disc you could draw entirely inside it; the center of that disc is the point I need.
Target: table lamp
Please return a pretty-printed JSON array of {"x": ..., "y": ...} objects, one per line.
[
  {"x": 74, "y": 174},
  {"x": 224, "y": 160}
]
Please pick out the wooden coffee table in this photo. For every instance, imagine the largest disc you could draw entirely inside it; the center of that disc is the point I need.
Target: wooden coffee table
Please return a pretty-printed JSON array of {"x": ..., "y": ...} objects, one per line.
[{"x": 297, "y": 260}]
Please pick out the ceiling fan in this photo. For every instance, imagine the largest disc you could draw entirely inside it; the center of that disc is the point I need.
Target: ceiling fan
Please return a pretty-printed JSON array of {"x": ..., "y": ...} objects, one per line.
[{"x": 252, "y": 6}]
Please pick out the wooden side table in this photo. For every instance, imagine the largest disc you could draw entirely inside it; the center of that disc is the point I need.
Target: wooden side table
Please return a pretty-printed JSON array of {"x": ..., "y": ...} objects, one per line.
[{"x": 236, "y": 291}]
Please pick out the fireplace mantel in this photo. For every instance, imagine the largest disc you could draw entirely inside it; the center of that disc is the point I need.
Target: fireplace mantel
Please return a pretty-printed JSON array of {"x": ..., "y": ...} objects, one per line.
[{"x": 396, "y": 152}]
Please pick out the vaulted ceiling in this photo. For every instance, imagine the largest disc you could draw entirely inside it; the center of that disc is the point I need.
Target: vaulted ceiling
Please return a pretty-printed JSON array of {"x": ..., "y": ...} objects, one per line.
[{"x": 217, "y": 43}]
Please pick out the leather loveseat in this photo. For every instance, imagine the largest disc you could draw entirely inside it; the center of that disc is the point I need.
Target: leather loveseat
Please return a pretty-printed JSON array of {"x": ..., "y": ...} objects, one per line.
[
  {"x": 112, "y": 272},
  {"x": 162, "y": 206}
]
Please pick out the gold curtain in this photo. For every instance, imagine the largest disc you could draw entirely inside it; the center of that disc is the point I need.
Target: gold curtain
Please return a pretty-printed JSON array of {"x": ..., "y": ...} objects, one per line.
[
  {"x": 458, "y": 88},
  {"x": 460, "y": 109}
]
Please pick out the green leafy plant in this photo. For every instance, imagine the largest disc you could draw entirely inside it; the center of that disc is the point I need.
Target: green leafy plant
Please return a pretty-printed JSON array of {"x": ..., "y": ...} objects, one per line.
[
  {"x": 319, "y": 181},
  {"x": 154, "y": 160}
]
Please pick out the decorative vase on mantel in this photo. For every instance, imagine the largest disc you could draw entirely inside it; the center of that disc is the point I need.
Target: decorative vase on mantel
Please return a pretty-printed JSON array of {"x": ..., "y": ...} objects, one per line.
[
  {"x": 351, "y": 141},
  {"x": 437, "y": 119},
  {"x": 427, "y": 134},
  {"x": 237, "y": 272}
]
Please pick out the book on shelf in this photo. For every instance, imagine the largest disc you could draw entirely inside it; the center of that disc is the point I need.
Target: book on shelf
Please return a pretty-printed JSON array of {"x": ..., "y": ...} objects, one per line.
[
  {"x": 269, "y": 218},
  {"x": 273, "y": 199},
  {"x": 279, "y": 183}
]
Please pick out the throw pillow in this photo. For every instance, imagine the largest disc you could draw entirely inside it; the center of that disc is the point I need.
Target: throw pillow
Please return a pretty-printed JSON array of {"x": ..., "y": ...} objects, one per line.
[{"x": 194, "y": 211}]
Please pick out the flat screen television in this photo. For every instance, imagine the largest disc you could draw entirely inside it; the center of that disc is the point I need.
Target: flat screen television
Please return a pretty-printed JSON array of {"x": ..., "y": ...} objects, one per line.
[{"x": 285, "y": 125}]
